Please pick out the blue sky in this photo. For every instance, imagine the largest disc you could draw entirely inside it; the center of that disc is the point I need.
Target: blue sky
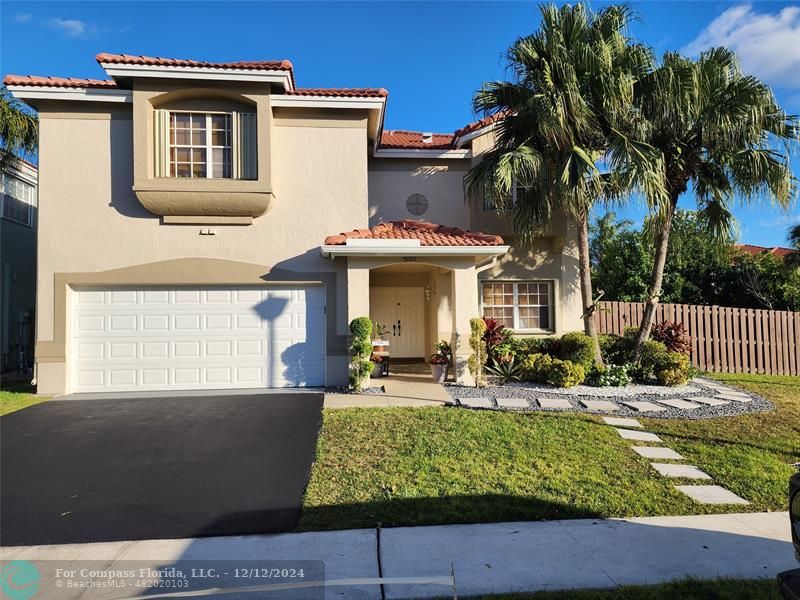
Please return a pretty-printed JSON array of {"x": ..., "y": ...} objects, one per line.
[{"x": 431, "y": 56}]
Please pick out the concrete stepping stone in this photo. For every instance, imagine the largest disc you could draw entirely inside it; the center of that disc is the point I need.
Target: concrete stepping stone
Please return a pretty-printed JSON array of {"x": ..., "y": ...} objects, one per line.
[
  {"x": 657, "y": 452},
  {"x": 735, "y": 397},
  {"x": 476, "y": 402},
  {"x": 708, "y": 401},
  {"x": 621, "y": 422},
  {"x": 683, "y": 471},
  {"x": 711, "y": 494},
  {"x": 513, "y": 403},
  {"x": 638, "y": 436},
  {"x": 600, "y": 405},
  {"x": 682, "y": 404},
  {"x": 644, "y": 406},
  {"x": 554, "y": 403}
]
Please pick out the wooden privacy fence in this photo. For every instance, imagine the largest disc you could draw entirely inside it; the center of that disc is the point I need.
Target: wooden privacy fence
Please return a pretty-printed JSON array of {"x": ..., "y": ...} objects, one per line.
[{"x": 724, "y": 339}]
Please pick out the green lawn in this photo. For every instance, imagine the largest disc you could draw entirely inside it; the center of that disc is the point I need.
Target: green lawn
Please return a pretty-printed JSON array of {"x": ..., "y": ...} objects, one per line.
[
  {"x": 14, "y": 396},
  {"x": 439, "y": 465},
  {"x": 725, "y": 589}
]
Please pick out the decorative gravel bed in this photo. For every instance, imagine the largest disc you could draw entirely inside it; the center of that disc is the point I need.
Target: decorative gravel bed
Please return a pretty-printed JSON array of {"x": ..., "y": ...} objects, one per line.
[
  {"x": 343, "y": 389},
  {"x": 740, "y": 402}
]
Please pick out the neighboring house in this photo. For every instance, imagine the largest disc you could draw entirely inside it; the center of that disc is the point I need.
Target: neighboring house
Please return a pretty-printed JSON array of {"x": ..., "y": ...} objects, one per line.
[
  {"x": 778, "y": 251},
  {"x": 17, "y": 265},
  {"x": 211, "y": 225}
]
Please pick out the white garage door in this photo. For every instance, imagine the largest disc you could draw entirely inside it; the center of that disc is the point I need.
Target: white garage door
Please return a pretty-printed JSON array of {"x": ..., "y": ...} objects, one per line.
[{"x": 159, "y": 338}]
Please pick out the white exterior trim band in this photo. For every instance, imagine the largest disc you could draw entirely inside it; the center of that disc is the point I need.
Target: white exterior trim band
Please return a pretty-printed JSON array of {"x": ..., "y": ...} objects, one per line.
[
  {"x": 26, "y": 92},
  {"x": 212, "y": 73},
  {"x": 333, "y": 251}
]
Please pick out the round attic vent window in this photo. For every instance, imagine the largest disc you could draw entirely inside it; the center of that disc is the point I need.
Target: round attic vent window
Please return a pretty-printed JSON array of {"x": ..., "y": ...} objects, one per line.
[{"x": 417, "y": 204}]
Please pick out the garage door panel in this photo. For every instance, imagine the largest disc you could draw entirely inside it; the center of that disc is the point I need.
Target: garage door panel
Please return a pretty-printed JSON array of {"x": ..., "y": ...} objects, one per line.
[{"x": 186, "y": 338}]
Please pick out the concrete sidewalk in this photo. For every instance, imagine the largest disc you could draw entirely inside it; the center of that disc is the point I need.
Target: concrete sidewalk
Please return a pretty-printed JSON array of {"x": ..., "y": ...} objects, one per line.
[
  {"x": 410, "y": 389},
  {"x": 492, "y": 558}
]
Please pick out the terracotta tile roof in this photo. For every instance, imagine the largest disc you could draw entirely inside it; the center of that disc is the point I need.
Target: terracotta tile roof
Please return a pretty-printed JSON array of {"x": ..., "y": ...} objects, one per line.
[
  {"x": 428, "y": 234},
  {"x": 129, "y": 59},
  {"x": 62, "y": 82},
  {"x": 414, "y": 140},
  {"x": 779, "y": 251},
  {"x": 481, "y": 123},
  {"x": 341, "y": 92}
]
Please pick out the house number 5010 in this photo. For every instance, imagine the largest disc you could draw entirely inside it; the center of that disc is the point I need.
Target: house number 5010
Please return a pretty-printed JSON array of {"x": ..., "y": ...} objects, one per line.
[{"x": 409, "y": 259}]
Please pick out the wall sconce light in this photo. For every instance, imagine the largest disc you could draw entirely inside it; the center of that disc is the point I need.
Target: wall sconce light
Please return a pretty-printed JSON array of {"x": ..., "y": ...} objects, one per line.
[{"x": 428, "y": 293}]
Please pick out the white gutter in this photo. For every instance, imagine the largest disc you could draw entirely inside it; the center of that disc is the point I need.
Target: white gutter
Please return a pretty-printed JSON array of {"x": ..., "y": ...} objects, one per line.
[
  {"x": 333, "y": 251},
  {"x": 40, "y": 92},
  {"x": 291, "y": 100},
  {"x": 421, "y": 153},
  {"x": 278, "y": 76}
]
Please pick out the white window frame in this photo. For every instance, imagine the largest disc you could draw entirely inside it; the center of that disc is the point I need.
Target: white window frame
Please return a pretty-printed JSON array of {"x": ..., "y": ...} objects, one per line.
[
  {"x": 209, "y": 147},
  {"x": 29, "y": 202},
  {"x": 515, "y": 306}
]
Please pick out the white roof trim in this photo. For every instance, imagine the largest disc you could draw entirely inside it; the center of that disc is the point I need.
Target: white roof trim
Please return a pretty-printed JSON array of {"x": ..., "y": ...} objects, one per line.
[
  {"x": 211, "y": 73},
  {"x": 41, "y": 92},
  {"x": 286, "y": 100},
  {"x": 381, "y": 243},
  {"x": 333, "y": 251},
  {"x": 474, "y": 134},
  {"x": 421, "y": 153}
]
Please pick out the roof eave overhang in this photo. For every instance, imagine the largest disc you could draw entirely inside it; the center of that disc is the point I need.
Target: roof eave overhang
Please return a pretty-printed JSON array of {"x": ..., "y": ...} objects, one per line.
[
  {"x": 41, "y": 92},
  {"x": 277, "y": 76},
  {"x": 335, "y": 251},
  {"x": 468, "y": 137}
]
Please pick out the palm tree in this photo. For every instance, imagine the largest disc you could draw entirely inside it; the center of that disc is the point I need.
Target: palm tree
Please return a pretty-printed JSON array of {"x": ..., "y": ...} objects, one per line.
[
  {"x": 19, "y": 130},
  {"x": 567, "y": 109},
  {"x": 720, "y": 131}
]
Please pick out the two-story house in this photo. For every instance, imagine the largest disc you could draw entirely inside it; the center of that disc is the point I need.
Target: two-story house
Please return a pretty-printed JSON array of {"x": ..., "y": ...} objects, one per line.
[
  {"x": 212, "y": 225},
  {"x": 17, "y": 265}
]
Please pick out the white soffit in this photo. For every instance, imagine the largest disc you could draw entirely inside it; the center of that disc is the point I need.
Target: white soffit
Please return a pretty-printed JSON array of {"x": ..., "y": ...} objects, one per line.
[{"x": 208, "y": 73}]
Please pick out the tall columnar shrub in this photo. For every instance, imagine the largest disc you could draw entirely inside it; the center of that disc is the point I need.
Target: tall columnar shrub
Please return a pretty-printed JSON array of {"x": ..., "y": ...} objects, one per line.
[
  {"x": 477, "y": 359},
  {"x": 360, "y": 351}
]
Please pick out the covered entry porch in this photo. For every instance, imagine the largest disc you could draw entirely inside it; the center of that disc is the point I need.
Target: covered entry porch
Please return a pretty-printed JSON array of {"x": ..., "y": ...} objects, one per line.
[{"x": 419, "y": 281}]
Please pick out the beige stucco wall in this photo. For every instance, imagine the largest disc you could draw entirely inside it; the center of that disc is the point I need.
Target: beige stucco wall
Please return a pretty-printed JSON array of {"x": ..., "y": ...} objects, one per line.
[
  {"x": 393, "y": 180},
  {"x": 90, "y": 220}
]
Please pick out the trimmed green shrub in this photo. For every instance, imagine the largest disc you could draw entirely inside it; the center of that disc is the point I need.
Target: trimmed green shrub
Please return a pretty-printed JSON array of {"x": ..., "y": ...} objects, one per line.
[
  {"x": 523, "y": 346},
  {"x": 651, "y": 355},
  {"x": 616, "y": 349},
  {"x": 477, "y": 360},
  {"x": 360, "y": 350},
  {"x": 564, "y": 373},
  {"x": 577, "y": 347},
  {"x": 673, "y": 368},
  {"x": 543, "y": 368}
]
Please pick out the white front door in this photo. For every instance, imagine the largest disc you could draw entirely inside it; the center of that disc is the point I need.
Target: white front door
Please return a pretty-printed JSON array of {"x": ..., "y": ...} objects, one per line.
[
  {"x": 183, "y": 338},
  {"x": 402, "y": 311}
]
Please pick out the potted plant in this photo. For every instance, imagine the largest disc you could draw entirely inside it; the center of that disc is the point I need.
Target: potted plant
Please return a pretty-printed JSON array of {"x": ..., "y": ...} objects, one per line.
[
  {"x": 378, "y": 366},
  {"x": 379, "y": 331},
  {"x": 439, "y": 361}
]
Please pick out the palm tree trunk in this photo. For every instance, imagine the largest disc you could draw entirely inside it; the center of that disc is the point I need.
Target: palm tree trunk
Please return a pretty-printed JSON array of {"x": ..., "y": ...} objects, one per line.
[
  {"x": 657, "y": 277},
  {"x": 587, "y": 299}
]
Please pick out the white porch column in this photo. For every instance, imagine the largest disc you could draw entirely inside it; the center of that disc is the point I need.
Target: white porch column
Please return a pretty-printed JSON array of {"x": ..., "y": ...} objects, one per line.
[
  {"x": 464, "y": 291},
  {"x": 357, "y": 289}
]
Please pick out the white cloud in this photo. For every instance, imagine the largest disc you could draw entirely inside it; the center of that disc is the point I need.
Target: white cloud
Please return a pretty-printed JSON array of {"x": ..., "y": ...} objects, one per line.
[
  {"x": 71, "y": 27},
  {"x": 22, "y": 18},
  {"x": 768, "y": 44}
]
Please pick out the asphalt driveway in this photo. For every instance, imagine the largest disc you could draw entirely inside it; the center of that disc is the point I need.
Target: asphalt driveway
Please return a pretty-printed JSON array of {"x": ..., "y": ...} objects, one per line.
[{"x": 155, "y": 467}]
